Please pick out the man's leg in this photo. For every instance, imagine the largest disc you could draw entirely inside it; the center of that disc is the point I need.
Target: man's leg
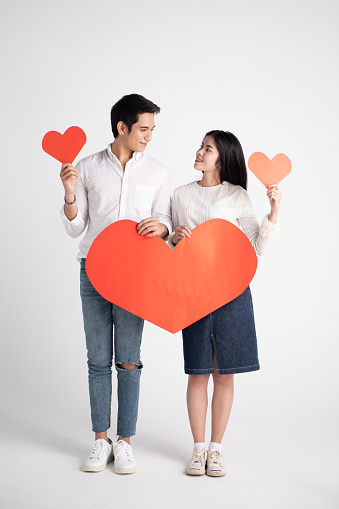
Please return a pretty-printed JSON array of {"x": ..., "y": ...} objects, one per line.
[
  {"x": 98, "y": 325},
  {"x": 127, "y": 340}
]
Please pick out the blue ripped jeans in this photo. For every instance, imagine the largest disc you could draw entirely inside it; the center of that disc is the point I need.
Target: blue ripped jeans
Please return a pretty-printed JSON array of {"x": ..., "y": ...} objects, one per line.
[{"x": 101, "y": 319}]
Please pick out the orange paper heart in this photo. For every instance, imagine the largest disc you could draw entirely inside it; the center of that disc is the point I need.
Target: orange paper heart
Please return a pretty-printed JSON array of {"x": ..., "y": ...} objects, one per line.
[
  {"x": 269, "y": 171},
  {"x": 64, "y": 147},
  {"x": 171, "y": 289}
]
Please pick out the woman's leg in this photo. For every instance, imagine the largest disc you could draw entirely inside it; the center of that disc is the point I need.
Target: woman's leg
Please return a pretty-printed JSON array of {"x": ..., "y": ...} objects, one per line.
[
  {"x": 221, "y": 408},
  {"x": 197, "y": 405},
  {"x": 221, "y": 405}
]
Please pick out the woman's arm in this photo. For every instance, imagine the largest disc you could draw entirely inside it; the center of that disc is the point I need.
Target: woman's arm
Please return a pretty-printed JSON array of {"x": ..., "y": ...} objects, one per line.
[
  {"x": 180, "y": 232},
  {"x": 274, "y": 195},
  {"x": 260, "y": 236}
]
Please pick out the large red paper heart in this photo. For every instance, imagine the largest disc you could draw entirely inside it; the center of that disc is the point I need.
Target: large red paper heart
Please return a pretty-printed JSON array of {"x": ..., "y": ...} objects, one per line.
[
  {"x": 269, "y": 171},
  {"x": 171, "y": 289},
  {"x": 64, "y": 147}
]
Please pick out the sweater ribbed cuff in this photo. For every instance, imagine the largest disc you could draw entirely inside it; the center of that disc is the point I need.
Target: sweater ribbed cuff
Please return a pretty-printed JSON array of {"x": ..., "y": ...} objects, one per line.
[{"x": 267, "y": 228}]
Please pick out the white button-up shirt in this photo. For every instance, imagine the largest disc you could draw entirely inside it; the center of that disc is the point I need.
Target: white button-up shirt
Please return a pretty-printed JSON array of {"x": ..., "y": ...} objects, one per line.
[{"x": 105, "y": 193}]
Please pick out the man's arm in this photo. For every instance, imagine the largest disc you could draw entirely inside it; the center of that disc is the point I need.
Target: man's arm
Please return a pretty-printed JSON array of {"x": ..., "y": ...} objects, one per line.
[
  {"x": 69, "y": 176},
  {"x": 160, "y": 223},
  {"x": 74, "y": 216}
]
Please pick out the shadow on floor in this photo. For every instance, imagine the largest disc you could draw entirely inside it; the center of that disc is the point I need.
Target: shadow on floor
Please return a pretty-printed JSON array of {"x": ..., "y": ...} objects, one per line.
[{"x": 49, "y": 434}]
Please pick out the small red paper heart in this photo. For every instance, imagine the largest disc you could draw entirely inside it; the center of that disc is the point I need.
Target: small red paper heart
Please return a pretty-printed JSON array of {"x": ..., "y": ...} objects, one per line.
[
  {"x": 64, "y": 147},
  {"x": 269, "y": 171},
  {"x": 171, "y": 289}
]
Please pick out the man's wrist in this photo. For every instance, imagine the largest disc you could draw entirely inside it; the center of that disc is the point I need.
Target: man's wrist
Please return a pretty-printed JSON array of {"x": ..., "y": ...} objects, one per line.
[
  {"x": 165, "y": 232},
  {"x": 70, "y": 199}
]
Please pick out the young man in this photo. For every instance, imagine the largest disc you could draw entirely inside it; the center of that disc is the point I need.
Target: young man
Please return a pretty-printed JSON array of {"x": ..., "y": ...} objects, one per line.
[{"x": 121, "y": 182}]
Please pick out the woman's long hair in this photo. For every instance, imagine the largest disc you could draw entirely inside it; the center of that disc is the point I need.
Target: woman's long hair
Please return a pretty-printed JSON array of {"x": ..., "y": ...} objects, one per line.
[{"x": 231, "y": 158}]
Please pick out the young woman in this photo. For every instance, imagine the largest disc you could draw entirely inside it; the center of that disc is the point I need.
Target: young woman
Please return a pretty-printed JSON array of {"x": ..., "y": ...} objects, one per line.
[{"x": 223, "y": 342}]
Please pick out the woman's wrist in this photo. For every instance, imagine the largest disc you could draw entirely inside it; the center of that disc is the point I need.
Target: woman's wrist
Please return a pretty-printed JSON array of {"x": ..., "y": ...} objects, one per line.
[{"x": 273, "y": 217}]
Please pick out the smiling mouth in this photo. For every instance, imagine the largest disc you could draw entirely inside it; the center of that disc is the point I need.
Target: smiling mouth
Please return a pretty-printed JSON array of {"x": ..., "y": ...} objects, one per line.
[{"x": 198, "y": 161}]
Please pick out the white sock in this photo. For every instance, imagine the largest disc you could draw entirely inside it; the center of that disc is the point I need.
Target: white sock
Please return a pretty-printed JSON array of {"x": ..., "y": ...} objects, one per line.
[
  {"x": 214, "y": 445},
  {"x": 199, "y": 444}
]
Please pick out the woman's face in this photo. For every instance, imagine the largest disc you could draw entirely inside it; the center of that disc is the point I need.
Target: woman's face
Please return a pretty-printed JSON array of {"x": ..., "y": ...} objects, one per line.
[{"x": 207, "y": 156}]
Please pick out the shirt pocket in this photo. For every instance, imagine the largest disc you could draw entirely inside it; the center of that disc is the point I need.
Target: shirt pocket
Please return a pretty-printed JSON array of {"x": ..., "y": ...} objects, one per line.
[{"x": 143, "y": 198}]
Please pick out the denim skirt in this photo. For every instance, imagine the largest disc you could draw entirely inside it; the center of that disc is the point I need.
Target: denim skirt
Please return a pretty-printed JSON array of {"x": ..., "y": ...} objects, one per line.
[{"x": 229, "y": 332}]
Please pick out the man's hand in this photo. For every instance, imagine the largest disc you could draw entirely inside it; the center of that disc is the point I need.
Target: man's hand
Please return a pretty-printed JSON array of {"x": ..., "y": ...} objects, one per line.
[
  {"x": 150, "y": 227},
  {"x": 68, "y": 176}
]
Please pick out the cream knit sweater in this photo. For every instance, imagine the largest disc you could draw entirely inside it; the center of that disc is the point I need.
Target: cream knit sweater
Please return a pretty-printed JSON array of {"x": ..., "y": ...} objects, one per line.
[{"x": 193, "y": 205}]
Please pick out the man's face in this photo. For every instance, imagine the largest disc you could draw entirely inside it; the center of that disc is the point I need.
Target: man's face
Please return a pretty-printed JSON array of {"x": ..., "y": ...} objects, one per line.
[{"x": 141, "y": 133}]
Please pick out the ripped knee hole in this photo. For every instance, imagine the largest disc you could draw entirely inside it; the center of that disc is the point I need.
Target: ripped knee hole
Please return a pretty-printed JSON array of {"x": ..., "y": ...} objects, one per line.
[{"x": 128, "y": 365}]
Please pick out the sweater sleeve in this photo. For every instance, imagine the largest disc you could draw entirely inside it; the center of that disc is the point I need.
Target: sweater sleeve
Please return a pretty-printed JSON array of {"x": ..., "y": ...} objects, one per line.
[
  {"x": 259, "y": 235},
  {"x": 174, "y": 208}
]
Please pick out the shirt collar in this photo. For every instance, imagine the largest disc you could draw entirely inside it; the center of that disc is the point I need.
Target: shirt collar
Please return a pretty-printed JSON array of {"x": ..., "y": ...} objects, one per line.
[{"x": 135, "y": 156}]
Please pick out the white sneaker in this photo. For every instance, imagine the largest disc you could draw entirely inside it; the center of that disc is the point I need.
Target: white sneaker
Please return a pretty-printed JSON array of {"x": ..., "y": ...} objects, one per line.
[
  {"x": 197, "y": 465},
  {"x": 124, "y": 462},
  {"x": 102, "y": 453},
  {"x": 215, "y": 464}
]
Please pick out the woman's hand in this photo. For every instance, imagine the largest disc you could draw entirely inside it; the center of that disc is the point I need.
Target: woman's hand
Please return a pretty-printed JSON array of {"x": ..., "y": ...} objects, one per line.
[
  {"x": 180, "y": 232},
  {"x": 274, "y": 195}
]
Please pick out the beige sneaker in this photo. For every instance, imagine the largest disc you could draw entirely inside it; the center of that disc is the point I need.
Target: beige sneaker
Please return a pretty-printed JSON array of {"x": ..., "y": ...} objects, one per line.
[
  {"x": 197, "y": 465},
  {"x": 215, "y": 464}
]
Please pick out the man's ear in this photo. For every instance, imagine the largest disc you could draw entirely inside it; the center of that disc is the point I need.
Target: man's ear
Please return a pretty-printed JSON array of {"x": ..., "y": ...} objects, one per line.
[{"x": 122, "y": 128}]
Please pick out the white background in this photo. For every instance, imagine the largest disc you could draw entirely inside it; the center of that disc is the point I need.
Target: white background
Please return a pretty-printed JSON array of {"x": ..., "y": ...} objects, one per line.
[{"x": 268, "y": 72}]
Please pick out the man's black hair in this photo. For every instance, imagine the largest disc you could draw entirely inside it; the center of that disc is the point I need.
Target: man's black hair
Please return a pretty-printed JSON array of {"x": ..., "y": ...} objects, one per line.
[{"x": 128, "y": 109}]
